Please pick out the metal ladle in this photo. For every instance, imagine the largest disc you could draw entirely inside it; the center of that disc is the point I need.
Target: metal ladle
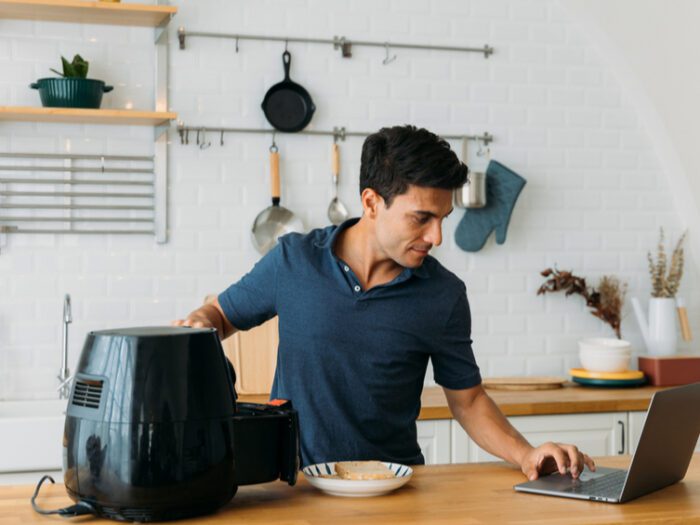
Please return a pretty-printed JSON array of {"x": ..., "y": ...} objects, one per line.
[{"x": 337, "y": 212}]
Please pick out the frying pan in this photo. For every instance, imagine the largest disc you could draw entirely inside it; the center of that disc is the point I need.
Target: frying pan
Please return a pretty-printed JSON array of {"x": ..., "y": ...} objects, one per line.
[
  {"x": 275, "y": 220},
  {"x": 287, "y": 105}
]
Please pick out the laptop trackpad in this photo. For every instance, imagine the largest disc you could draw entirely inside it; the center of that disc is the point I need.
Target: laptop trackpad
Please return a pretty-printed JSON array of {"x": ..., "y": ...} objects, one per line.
[{"x": 558, "y": 482}]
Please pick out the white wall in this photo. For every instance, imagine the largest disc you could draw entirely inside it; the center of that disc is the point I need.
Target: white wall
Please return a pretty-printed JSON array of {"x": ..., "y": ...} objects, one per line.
[{"x": 595, "y": 197}]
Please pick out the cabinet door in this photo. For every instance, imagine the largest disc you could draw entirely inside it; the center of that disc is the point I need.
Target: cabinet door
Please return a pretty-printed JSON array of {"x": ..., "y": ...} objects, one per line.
[
  {"x": 636, "y": 420},
  {"x": 595, "y": 434},
  {"x": 434, "y": 440}
]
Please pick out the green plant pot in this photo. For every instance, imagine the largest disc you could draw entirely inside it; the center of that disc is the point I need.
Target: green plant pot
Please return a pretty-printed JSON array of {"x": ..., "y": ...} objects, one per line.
[{"x": 71, "y": 92}]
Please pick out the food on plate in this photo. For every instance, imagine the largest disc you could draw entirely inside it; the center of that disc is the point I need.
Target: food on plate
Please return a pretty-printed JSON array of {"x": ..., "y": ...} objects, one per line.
[{"x": 363, "y": 470}]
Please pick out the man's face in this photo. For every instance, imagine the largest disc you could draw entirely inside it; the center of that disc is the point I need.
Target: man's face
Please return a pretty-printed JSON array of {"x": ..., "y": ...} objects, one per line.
[{"x": 412, "y": 225}]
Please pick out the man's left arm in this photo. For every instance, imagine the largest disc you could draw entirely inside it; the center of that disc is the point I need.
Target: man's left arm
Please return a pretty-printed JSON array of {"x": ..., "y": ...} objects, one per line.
[{"x": 488, "y": 427}]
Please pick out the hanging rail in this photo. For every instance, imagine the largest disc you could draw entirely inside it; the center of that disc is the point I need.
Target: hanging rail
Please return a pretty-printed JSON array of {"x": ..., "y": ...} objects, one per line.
[
  {"x": 68, "y": 206},
  {"x": 337, "y": 134},
  {"x": 74, "y": 156},
  {"x": 338, "y": 42}
]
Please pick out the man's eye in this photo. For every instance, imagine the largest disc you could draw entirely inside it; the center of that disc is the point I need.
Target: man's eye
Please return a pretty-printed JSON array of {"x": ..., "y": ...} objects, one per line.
[{"x": 421, "y": 219}]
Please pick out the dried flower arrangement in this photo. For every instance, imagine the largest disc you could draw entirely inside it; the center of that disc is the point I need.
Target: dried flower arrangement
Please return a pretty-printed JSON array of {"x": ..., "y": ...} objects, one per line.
[
  {"x": 605, "y": 301},
  {"x": 663, "y": 284}
]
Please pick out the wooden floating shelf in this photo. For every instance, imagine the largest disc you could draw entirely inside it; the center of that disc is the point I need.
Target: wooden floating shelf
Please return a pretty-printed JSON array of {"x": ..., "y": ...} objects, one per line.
[
  {"x": 81, "y": 11},
  {"x": 86, "y": 116}
]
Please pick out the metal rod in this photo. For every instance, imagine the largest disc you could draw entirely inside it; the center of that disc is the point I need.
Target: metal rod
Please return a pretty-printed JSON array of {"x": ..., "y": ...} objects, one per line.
[
  {"x": 73, "y": 194},
  {"x": 76, "y": 170},
  {"x": 340, "y": 133},
  {"x": 93, "y": 182},
  {"x": 118, "y": 232},
  {"x": 335, "y": 42},
  {"x": 74, "y": 156},
  {"x": 74, "y": 219},
  {"x": 75, "y": 207}
]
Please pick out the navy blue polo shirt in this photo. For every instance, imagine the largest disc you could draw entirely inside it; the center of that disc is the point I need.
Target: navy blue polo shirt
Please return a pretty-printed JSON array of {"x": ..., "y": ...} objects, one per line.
[{"x": 353, "y": 361}]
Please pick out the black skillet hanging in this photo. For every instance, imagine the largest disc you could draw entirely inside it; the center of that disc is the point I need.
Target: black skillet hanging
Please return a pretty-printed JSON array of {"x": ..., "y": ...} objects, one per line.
[{"x": 287, "y": 105}]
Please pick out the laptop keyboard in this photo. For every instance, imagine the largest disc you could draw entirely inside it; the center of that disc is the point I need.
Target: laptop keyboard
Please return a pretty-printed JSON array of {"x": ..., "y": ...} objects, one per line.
[{"x": 608, "y": 486}]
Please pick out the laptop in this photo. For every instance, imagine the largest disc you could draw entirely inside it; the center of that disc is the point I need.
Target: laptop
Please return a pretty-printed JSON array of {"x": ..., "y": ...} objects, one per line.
[{"x": 662, "y": 457}]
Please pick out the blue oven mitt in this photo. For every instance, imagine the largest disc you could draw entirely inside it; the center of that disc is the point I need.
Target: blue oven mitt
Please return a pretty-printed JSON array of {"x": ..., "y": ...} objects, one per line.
[{"x": 502, "y": 189}]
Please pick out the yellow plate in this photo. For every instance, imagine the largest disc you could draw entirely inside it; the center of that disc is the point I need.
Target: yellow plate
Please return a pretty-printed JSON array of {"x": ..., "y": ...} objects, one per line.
[{"x": 587, "y": 374}]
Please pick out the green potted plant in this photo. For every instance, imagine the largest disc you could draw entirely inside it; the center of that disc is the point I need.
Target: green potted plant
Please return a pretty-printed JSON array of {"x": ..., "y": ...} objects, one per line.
[{"x": 73, "y": 89}]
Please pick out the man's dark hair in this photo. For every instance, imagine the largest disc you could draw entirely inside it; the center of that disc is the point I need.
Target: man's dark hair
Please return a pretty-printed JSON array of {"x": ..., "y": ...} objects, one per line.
[{"x": 396, "y": 157}]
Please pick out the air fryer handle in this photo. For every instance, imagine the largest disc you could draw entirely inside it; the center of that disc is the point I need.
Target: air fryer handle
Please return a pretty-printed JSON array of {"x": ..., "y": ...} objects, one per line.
[{"x": 289, "y": 465}]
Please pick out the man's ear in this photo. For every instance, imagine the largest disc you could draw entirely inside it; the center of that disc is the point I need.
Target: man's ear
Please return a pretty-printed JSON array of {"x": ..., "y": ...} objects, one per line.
[{"x": 371, "y": 201}]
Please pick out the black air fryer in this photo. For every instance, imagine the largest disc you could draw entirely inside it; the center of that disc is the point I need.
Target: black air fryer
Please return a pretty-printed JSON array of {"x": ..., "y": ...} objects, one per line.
[{"x": 153, "y": 431}]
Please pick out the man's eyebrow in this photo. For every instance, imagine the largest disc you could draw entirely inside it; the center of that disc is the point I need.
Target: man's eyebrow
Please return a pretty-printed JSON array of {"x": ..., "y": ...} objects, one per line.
[{"x": 426, "y": 213}]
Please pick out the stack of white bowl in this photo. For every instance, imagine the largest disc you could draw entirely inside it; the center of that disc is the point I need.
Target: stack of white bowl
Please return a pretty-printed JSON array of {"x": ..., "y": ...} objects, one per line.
[{"x": 603, "y": 354}]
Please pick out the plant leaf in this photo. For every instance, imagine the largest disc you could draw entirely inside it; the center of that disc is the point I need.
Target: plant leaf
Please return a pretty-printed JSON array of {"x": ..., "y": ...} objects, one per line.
[
  {"x": 67, "y": 68},
  {"x": 80, "y": 66}
]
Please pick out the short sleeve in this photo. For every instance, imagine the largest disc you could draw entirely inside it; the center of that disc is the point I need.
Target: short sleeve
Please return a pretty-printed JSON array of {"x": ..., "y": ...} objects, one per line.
[
  {"x": 252, "y": 300},
  {"x": 454, "y": 365}
]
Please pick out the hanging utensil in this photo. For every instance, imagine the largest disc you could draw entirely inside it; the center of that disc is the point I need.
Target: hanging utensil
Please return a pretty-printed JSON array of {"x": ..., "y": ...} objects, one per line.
[
  {"x": 287, "y": 105},
  {"x": 473, "y": 193},
  {"x": 275, "y": 220},
  {"x": 337, "y": 212}
]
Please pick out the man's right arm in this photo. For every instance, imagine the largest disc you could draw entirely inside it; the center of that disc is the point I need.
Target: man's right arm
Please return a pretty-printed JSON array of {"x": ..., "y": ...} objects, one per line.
[{"x": 211, "y": 315}]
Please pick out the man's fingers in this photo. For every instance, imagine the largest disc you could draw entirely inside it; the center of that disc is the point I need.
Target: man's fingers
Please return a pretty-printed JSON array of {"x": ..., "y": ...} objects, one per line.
[
  {"x": 589, "y": 462},
  {"x": 575, "y": 459},
  {"x": 559, "y": 456}
]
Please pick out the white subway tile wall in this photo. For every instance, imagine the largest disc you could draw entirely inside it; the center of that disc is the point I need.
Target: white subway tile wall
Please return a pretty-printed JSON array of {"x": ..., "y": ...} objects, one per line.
[{"x": 595, "y": 197}]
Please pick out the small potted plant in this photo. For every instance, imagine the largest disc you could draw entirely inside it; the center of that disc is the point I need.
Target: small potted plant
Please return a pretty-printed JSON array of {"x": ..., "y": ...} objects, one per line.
[
  {"x": 73, "y": 89},
  {"x": 598, "y": 354},
  {"x": 659, "y": 331}
]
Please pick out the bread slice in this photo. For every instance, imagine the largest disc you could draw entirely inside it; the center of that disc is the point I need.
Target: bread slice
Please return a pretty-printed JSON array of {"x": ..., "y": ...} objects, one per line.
[{"x": 363, "y": 470}]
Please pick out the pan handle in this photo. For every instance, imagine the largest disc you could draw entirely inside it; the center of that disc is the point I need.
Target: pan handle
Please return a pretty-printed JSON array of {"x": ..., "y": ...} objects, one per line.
[
  {"x": 335, "y": 163},
  {"x": 287, "y": 61},
  {"x": 275, "y": 177}
]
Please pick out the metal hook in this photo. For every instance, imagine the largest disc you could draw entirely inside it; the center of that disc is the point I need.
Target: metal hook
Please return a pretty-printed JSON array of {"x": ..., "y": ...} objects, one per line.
[
  {"x": 387, "y": 58},
  {"x": 286, "y": 44},
  {"x": 204, "y": 144},
  {"x": 102, "y": 162},
  {"x": 181, "y": 132},
  {"x": 273, "y": 147},
  {"x": 187, "y": 137},
  {"x": 221, "y": 139},
  {"x": 197, "y": 137},
  {"x": 236, "y": 44},
  {"x": 483, "y": 151}
]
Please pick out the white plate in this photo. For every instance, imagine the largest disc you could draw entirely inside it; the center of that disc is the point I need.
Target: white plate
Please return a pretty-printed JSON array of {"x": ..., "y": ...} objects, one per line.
[{"x": 356, "y": 488}]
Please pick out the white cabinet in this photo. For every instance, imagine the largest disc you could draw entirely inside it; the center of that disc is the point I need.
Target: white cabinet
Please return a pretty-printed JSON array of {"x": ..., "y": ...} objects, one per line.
[
  {"x": 434, "y": 440},
  {"x": 636, "y": 423},
  {"x": 596, "y": 434}
]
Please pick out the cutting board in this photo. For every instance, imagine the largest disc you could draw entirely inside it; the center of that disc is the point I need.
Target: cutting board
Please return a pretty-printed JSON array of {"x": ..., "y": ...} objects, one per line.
[
  {"x": 523, "y": 383},
  {"x": 253, "y": 354}
]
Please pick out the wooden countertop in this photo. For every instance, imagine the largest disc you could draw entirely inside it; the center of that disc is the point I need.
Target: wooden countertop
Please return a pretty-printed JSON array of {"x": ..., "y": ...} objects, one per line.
[
  {"x": 442, "y": 495},
  {"x": 571, "y": 399}
]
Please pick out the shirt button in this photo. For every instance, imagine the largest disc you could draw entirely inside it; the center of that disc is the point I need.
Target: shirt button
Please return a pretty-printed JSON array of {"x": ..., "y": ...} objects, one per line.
[
  {"x": 357, "y": 288},
  {"x": 346, "y": 268}
]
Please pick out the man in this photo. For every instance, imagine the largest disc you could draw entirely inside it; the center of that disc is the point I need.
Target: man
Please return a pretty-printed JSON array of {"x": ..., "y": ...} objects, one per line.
[{"x": 362, "y": 308}]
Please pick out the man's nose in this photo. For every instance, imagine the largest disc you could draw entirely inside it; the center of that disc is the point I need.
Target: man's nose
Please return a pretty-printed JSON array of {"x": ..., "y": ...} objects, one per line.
[{"x": 434, "y": 234}]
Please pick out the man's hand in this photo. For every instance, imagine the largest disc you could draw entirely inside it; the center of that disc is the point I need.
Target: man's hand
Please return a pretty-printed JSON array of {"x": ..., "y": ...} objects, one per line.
[
  {"x": 208, "y": 316},
  {"x": 552, "y": 457},
  {"x": 196, "y": 320}
]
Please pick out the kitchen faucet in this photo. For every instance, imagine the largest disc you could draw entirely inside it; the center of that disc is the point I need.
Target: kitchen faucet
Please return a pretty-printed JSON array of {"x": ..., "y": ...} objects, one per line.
[{"x": 64, "y": 374}]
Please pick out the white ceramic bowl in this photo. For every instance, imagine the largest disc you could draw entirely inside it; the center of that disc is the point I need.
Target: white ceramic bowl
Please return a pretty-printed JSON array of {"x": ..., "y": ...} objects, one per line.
[
  {"x": 322, "y": 477},
  {"x": 601, "y": 354}
]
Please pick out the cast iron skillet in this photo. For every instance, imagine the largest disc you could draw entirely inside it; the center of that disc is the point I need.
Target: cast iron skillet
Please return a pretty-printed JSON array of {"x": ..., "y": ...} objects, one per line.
[{"x": 287, "y": 105}]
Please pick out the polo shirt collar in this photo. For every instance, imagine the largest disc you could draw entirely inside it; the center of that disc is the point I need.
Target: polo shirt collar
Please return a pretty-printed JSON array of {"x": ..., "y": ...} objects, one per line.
[{"x": 329, "y": 242}]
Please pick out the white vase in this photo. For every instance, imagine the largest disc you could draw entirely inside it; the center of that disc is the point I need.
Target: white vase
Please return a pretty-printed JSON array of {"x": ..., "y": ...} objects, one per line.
[{"x": 659, "y": 333}]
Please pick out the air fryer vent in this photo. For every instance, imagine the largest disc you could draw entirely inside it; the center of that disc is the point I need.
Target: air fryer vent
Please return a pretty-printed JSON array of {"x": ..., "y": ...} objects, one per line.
[{"x": 87, "y": 393}]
